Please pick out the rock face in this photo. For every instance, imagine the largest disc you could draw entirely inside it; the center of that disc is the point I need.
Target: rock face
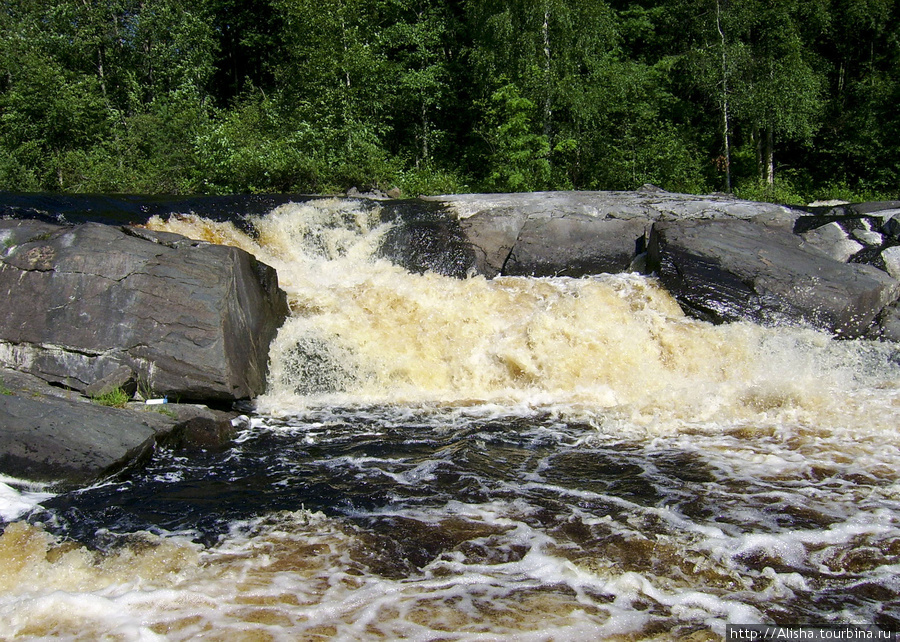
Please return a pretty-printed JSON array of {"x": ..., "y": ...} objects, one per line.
[
  {"x": 723, "y": 259},
  {"x": 52, "y": 439},
  {"x": 51, "y": 434},
  {"x": 191, "y": 320},
  {"x": 581, "y": 233},
  {"x": 732, "y": 270},
  {"x": 575, "y": 245}
]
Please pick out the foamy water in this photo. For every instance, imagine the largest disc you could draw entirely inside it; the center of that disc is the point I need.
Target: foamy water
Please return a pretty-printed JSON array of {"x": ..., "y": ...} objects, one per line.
[{"x": 472, "y": 459}]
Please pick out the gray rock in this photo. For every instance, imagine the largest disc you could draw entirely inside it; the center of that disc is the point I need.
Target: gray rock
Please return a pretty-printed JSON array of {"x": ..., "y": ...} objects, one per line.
[
  {"x": 575, "y": 245},
  {"x": 891, "y": 257},
  {"x": 26, "y": 385},
  {"x": 876, "y": 208},
  {"x": 120, "y": 378},
  {"x": 891, "y": 227},
  {"x": 868, "y": 237},
  {"x": 579, "y": 233},
  {"x": 58, "y": 440},
  {"x": 833, "y": 241},
  {"x": 48, "y": 433},
  {"x": 492, "y": 235},
  {"x": 192, "y": 320},
  {"x": 650, "y": 205},
  {"x": 889, "y": 323},
  {"x": 16, "y": 232},
  {"x": 201, "y": 433},
  {"x": 725, "y": 271}
]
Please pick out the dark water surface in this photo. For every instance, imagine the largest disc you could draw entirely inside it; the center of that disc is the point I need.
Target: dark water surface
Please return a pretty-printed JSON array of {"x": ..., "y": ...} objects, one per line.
[{"x": 422, "y": 489}]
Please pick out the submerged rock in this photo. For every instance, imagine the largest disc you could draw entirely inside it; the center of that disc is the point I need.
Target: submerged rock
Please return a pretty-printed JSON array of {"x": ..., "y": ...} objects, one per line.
[{"x": 192, "y": 320}]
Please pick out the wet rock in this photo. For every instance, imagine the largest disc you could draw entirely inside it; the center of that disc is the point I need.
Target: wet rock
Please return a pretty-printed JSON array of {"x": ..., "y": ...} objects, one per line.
[
  {"x": 201, "y": 428},
  {"x": 429, "y": 244},
  {"x": 190, "y": 319},
  {"x": 736, "y": 270},
  {"x": 69, "y": 441}
]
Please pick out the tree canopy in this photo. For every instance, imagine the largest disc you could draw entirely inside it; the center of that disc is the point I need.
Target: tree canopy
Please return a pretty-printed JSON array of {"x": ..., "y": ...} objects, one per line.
[{"x": 783, "y": 99}]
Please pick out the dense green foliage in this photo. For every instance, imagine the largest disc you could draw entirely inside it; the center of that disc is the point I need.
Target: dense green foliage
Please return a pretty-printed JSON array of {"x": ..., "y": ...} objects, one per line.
[{"x": 783, "y": 99}]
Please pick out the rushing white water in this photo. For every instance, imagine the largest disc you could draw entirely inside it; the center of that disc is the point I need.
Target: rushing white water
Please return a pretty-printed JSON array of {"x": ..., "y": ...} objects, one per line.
[
  {"x": 529, "y": 459},
  {"x": 366, "y": 331}
]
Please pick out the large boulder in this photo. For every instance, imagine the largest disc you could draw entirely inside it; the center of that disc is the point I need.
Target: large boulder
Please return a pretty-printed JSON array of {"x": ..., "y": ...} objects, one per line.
[
  {"x": 191, "y": 320},
  {"x": 51, "y": 434},
  {"x": 737, "y": 270},
  {"x": 59, "y": 440},
  {"x": 580, "y": 233}
]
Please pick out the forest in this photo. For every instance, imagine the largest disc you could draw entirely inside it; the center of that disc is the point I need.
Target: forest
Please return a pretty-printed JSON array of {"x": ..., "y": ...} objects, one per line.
[{"x": 786, "y": 100}]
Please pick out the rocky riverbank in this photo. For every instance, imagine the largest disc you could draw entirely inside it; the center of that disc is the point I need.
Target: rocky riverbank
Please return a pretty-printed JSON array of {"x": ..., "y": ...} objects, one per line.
[
  {"x": 90, "y": 309},
  {"x": 96, "y": 304}
]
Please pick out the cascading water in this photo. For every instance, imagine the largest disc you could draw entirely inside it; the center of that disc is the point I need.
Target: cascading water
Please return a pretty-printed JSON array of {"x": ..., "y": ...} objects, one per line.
[{"x": 462, "y": 458}]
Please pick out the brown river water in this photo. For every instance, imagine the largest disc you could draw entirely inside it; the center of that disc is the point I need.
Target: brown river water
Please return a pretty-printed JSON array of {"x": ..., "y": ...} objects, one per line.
[{"x": 471, "y": 459}]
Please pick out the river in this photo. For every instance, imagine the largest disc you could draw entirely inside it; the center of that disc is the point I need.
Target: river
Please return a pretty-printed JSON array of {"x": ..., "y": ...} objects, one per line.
[{"x": 471, "y": 459}]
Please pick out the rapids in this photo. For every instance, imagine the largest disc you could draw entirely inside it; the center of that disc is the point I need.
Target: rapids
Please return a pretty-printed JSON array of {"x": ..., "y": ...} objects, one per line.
[{"x": 472, "y": 459}]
